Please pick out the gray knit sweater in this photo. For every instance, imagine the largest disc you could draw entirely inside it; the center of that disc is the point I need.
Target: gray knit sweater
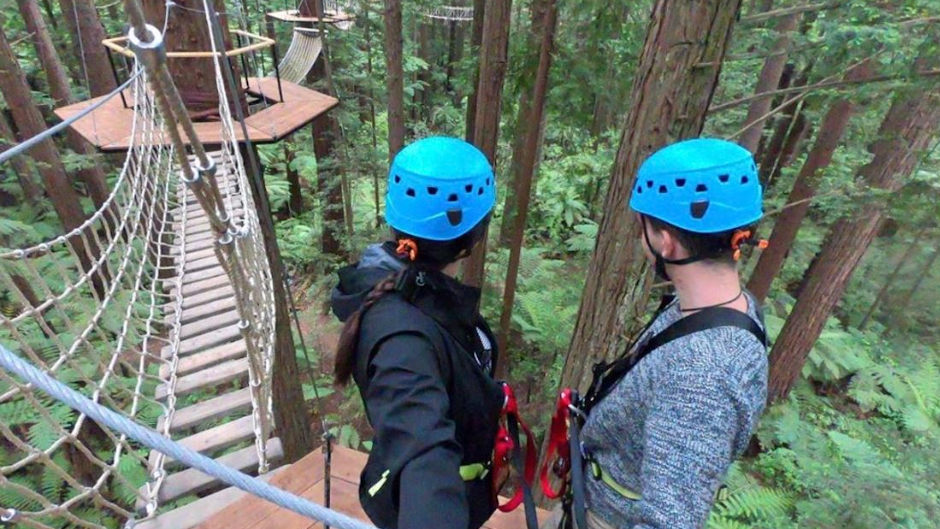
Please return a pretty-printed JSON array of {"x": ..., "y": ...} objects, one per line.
[{"x": 672, "y": 426}]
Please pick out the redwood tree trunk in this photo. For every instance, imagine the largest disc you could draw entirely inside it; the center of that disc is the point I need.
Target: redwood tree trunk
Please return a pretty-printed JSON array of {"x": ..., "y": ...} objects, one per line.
[
  {"x": 476, "y": 40},
  {"x": 28, "y": 121},
  {"x": 804, "y": 188},
  {"x": 187, "y": 30},
  {"x": 87, "y": 32},
  {"x": 912, "y": 247},
  {"x": 525, "y": 158},
  {"x": 489, "y": 93},
  {"x": 768, "y": 80},
  {"x": 395, "y": 77},
  {"x": 93, "y": 177},
  {"x": 905, "y": 301},
  {"x": 21, "y": 166},
  {"x": 670, "y": 96},
  {"x": 328, "y": 187},
  {"x": 528, "y": 79},
  {"x": 904, "y": 134}
]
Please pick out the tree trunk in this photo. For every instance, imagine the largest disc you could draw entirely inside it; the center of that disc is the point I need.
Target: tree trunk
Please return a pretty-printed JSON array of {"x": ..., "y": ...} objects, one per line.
[
  {"x": 395, "y": 77},
  {"x": 888, "y": 284},
  {"x": 525, "y": 158},
  {"x": 768, "y": 80},
  {"x": 489, "y": 94},
  {"x": 328, "y": 188},
  {"x": 375, "y": 144},
  {"x": 21, "y": 165},
  {"x": 670, "y": 96},
  {"x": 93, "y": 177},
  {"x": 903, "y": 136},
  {"x": 87, "y": 34},
  {"x": 424, "y": 76},
  {"x": 187, "y": 30},
  {"x": 296, "y": 201},
  {"x": 528, "y": 78},
  {"x": 905, "y": 301},
  {"x": 476, "y": 40},
  {"x": 29, "y": 123},
  {"x": 789, "y": 221},
  {"x": 771, "y": 152}
]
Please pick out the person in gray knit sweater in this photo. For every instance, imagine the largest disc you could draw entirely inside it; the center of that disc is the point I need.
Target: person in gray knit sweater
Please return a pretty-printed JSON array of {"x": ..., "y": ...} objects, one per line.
[{"x": 665, "y": 433}]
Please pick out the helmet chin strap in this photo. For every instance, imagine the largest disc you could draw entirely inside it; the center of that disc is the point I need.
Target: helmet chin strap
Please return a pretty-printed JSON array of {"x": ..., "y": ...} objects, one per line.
[{"x": 660, "y": 262}]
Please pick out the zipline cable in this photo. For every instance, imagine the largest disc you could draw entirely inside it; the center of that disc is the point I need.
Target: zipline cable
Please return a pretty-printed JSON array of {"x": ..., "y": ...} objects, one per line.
[{"x": 153, "y": 440}]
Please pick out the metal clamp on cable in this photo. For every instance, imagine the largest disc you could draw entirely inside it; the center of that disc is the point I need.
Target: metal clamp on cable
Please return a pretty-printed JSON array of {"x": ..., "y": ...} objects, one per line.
[
  {"x": 8, "y": 516},
  {"x": 226, "y": 238},
  {"x": 201, "y": 171},
  {"x": 154, "y": 50}
]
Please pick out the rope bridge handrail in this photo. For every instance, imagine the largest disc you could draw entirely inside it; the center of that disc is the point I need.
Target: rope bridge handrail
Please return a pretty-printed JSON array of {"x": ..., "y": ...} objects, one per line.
[
  {"x": 100, "y": 308},
  {"x": 451, "y": 13}
]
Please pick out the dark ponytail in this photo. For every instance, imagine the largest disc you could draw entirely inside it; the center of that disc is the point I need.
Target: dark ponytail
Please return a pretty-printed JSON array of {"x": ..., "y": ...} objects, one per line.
[{"x": 424, "y": 254}]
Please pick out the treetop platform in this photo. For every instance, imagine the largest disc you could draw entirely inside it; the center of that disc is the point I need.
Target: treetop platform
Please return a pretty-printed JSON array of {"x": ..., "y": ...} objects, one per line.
[
  {"x": 294, "y": 16},
  {"x": 109, "y": 127}
]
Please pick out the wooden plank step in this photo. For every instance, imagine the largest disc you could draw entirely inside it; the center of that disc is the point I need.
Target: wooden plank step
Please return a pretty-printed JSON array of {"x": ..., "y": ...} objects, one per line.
[
  {"x": 194, "y": 246},
  {"x": 209, "y": 339},
  {"x": 224, "y": 301},
  {"x": 202, "y": 275},
  {"x": 217, "y": 407},
  {"x": 192, "y": 288},
  {"x": 192, "y": 481},
  {"x": 208, "y": 358},
  {"x": 218, "y": 437},
  {"x": 205, "y": 325},
  {"x": 192, "y": 514},
  {"x": 207, "y": 378},
  {"x": 200, "y": 264},
  {"x": 207, "y": 249},
  {"x": 199, "y": 237}
]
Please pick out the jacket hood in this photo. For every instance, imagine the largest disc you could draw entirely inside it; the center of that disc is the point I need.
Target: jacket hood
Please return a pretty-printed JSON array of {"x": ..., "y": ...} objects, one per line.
[{"x": 378, "y": 261}]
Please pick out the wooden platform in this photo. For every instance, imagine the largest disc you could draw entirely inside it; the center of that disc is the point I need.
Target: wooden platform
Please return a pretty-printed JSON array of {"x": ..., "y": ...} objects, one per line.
[
  {"x": 294, "y": 16},
  {"x": 109, "y": 127},
  {"x": 237, "y": 510}
]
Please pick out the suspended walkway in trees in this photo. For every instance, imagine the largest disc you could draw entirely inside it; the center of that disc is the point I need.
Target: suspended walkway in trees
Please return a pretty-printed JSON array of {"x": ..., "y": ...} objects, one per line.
[{"x": 159, "y": 307}]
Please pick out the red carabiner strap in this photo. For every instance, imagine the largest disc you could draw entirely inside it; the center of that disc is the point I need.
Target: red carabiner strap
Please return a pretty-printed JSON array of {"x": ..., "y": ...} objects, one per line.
[
  {"x": 507, "y": 440},
  {"x": 558, "y": 453}
]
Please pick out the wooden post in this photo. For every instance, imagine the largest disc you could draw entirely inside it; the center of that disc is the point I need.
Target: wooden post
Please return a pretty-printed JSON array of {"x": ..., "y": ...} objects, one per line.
[{"x": 290, "y": 412}]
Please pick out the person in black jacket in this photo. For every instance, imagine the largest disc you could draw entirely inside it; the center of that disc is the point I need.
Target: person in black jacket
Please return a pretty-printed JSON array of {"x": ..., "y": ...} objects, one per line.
[{"x": 418, "y": 349}]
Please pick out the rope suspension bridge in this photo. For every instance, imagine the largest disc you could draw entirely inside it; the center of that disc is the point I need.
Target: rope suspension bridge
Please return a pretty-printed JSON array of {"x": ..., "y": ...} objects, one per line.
[{"x": 152, "y": 326}]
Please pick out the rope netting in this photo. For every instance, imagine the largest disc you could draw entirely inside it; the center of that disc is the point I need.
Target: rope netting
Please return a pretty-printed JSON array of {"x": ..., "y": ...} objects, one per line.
[
  {"x": 100, "y": 309},
  {"x": 451, "y": 13}
]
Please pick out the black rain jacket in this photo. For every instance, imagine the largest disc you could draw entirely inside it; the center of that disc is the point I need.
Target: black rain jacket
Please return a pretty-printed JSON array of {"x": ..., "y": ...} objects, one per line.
[{"x": 431, "y": 405}]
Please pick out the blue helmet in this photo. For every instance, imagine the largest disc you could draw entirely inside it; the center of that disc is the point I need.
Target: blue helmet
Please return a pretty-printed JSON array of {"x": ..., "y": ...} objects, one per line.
[
  {"x": 700, "y": 185},
  {"x": 439, "y": 188}
]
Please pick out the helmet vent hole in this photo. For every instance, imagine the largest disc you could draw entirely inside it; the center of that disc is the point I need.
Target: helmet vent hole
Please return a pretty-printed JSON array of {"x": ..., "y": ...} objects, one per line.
[
  {"x": 452, "y": 197},
  {"x": 468, "y": 188},
  {"x": 701, "y": 188},
  {"x": 639, "y": 189},
  {"x": 698, "y": 209},
  {"x": 649, "y": 184},
  {"x": 680, "y": 182},
  {"x": 744, "y": 179},
  {"x": 723, "y": 178},
  {"x": 454, "y": 216},
  {"x": 397, "y": 179},
  {"x": 410, "y": 192},
  {"x": 432, "y": 190},
  {"x": 487, "y": 181},
  {"x": 662, "y": 189},
  {"x": 479, "y": 190}
]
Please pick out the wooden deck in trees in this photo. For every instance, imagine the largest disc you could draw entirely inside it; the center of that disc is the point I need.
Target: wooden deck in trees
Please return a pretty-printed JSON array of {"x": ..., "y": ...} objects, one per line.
[{"x": 109, "y": 127}]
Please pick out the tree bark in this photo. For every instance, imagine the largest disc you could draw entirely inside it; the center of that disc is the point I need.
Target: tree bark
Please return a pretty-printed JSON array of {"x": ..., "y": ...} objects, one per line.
[
  {"x": 525, "y": 158},
  {"x": 93, "y": 177},
  {"x": 788, "y": 223},
  {"x": 670, "y": 96},
  {"x": 29, "y": 122},
  {"x": 424, "y": 76},
  {"x": 186, "y": 30},
  {"x": 87, "y": 34},
  {"x": 21, "y": 165},
  {"x": 903, "y": 136},
  {"x": 395, "y": 77},
  {"x": 528, "y": 78},
  {"x": 296, "y": 201},
  {"x": 489, "y": 94},
  {"x": 328, "y": 188},
  {"x": 768, "y": 80},
  {"x": 476, "y": 40},
  {"x": 912, "y": 247}
]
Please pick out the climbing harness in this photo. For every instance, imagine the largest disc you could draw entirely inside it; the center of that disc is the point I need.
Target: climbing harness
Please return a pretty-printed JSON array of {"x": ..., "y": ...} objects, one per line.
[
  {"x": 566, "y": 456},
  {"x": 508, "y": 451}
]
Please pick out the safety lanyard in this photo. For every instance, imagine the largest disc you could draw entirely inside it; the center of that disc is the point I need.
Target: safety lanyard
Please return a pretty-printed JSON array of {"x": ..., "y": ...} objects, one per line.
[{"x": 508, "y": 451}]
